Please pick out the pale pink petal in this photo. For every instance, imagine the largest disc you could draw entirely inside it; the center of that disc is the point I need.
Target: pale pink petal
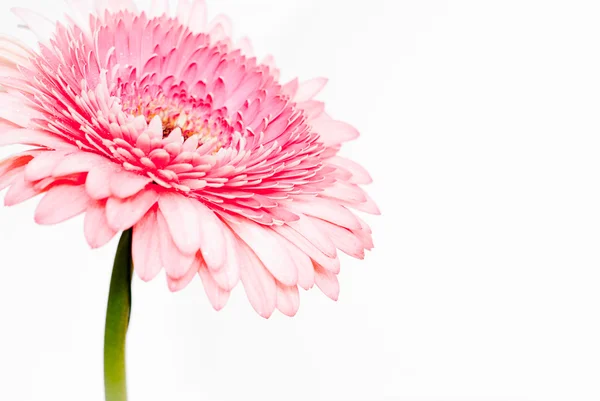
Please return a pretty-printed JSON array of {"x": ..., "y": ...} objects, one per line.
[
  {"x": 42, "y": 165},
  {"x": 229, "y": 275},
  {"x": 327, "y": 282},
  {"x": 212, "y": 238},
  {"x": 97, "y": 183},
  {"x": 80, "y": 162},
  {"x": 334, "y": 132},
  {"x": 41, "y": 26},
  {"x": 307, "y": 229},
  {"x": 20, "y": 191},
  {"x": 327, "y": 210},
  {"x": 180, "y": 214},
  {"x": 122, "y": 214},
  {"x": 178, "y": 284},
  {"x": 369, "y": 206},
  {"x": 288, "y": 299},
  {"x": 198, "y": 16},
  {"x": 309, "y": 89},
  {"x": 345, "y": 240},
  {"x": 159, "y": 8},
  {"x": 175, "y": 262},
  {"x": 306, "y": 273},
  {"x": 96, "y": 228},
  {"x": 61, "y": 203},
  {"x": 295, "y": 238},
  {"x": 258, "y": 282},
  {"x": 359, "y": 174},
  {"x": 267, "y": 246},
  {"x": 217, "y": 296},
  {"x": 125, "y": 184},
  {"x": 145, "y": 247},
  {"x": 9, "y": 177},
  {"x": 33, "y": 137}
]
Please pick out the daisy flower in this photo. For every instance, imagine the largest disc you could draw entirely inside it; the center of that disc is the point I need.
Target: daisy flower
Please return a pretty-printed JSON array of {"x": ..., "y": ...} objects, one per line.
[{"x": 158, "y": 124}]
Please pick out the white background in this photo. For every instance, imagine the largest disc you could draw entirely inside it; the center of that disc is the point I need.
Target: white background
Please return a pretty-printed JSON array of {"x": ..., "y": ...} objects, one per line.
[{"x": 480, "y": 124}]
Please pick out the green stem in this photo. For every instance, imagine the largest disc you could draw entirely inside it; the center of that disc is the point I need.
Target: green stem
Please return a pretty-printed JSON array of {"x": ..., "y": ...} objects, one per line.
[{"x": 117, "y": 320}]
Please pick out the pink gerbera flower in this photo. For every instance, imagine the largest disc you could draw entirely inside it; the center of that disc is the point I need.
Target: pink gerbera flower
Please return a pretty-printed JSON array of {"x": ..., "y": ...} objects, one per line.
[{"x": 163, "y": 125}]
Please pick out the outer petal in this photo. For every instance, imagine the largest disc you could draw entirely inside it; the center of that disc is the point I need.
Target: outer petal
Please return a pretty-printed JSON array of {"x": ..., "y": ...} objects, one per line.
[
  {"x": 61, "y": 203},
  {"x": 217, "y": 296},
  {"x": 258, "y": 282},
  {"x": 182, "y": 282},
  {"x": 175, "y": 262},
  {"x": 33, "y": 137},
  {"x": 124, "y": 213},
  {"x": 43, "y": 165},
  {"x": 78, "y": 162},
  {"x": 145, "y": 247},
  {"x": 20, "y": 191},
  {"x": 97, "y": 183},
  {"x": 180, "y": 215},
  {"x": 125, "y": 184},
  {"x": 288, "y": 299},
  {"x": 345, "y": 240},
  {"x": 267, "y": 246},
  {"x": 229, "y": 275},
  {"x": 309, "y": 89},
  {"x": 96, "y": 228},
  {"x": 327, "y": 210},
  {"x": 359, "y": 174},
  {"x": 327, "y": 282},
  {"x": 212, "y": 239},
  {"x": 334, "y": 132}
]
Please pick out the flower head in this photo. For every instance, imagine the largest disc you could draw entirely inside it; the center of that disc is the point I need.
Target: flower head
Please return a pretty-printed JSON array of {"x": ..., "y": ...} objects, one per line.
[{"x": 163, "y": 124}]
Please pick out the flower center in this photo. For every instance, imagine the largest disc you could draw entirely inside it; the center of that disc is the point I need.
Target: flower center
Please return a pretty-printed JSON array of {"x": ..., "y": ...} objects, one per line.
[{"x": 193, "y": 116}]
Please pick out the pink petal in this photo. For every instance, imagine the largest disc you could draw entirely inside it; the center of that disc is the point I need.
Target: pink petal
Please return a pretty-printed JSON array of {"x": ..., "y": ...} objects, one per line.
[
  {"x": 42, "y": 27},
  {"x": 96, "y": 228},
  {"x": 145, "y": 247},
  {"x": 97, "y": 183},
  {"x": 61, "y": 203},
  {"x": 288, "y": 299},
  {"x": 266, "y": 245},
  {"x": 122, "y": 214},
  {"x": 79, "y": 162},
  {"x": 180, "y": 215},
  {"x": 217, "y": 296},
  {"x": 43, "y": 165},
  {"x": 178, "y": 284},
  {"x": 228, "y": 276},
  {"x": 359, "y": 174},
  {"x": 258, "y": 283},
  {"x": 368, "y": 207},
  {"x": 125, "y": 184},
  {"x": 342, "y": 238},
  {"x": 297, "y": 240},
  {"x": 158, "y": 8},
  {"x": 306, "y": 273},
  {"x": 334, "y": 132},
  {"x": 327, "y": 210},
  {"x": 327, "y": 282},
  {"x": 307, "y": 229},
  {"x": 309, "y": 89},
  {"x": 350, "y": 193},
  {"x": 212, "y": 238},
  {"x": 32, "y": 137},
  {"x": 20, "y": 191},
  {"x": 198, "y": 16},
  {"x": 175, "y": 262},
  {"x": 10, "y": 176}
]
